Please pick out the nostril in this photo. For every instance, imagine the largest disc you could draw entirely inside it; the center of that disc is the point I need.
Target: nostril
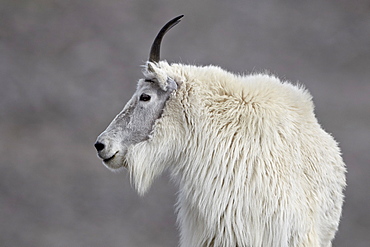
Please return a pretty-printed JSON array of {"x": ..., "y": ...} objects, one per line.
[{"x": 99, "y": 146}]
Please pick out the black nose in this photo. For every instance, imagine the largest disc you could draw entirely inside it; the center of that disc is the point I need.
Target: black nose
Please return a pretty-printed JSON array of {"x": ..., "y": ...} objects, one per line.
[{"x": 99, "y": 146}]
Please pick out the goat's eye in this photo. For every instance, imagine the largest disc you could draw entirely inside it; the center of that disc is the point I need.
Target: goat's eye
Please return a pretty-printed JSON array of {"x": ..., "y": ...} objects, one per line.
[{"x": 144, "y": 97}]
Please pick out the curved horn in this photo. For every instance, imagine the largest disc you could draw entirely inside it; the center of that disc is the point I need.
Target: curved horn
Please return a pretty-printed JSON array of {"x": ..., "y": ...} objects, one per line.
[{"x": 156, "y": 46}]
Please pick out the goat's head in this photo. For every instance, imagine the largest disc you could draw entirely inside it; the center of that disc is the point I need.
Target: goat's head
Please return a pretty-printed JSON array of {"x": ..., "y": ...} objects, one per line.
[{"x": 135, "y": 123}]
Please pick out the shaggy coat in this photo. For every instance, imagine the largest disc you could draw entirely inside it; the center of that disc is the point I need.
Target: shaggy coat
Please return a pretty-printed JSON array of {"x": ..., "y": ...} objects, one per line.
[{"x": 253, "y": 165}]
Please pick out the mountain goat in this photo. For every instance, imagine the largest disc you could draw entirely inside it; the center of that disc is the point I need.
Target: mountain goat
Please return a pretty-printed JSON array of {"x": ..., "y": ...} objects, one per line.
[{"x": 253, "y": 166}]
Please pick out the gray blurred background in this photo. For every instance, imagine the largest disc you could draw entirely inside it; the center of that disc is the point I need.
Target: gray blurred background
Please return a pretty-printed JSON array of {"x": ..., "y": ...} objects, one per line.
[{"x": 68, "y": 67}]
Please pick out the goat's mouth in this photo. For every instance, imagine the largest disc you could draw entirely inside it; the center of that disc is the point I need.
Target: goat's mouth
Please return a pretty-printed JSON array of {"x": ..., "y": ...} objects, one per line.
[
  {"x": 115, "y": 162},
  {"x": 110, "y": 158}
]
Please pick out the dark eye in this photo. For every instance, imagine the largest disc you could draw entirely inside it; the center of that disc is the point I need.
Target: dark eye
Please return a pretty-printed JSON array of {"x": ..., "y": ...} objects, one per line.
[{"x": 144, "y": 97}]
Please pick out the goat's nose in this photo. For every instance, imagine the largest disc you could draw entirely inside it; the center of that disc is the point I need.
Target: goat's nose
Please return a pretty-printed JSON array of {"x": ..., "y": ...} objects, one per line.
[{"x": 99, "y": 146}]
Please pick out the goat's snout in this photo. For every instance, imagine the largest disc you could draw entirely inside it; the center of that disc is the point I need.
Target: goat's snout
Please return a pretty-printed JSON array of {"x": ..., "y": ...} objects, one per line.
[
  {"x": 99, "y": 146},
  {"x": 110, "y": 152}
]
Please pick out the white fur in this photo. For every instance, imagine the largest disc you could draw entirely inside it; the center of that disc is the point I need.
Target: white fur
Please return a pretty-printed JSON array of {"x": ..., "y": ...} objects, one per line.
[{"x": 253, "y": 165}]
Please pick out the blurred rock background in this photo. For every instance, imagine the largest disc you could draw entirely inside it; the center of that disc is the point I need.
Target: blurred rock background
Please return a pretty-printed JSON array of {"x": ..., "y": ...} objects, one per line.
[{"x": 68, "y": 67}]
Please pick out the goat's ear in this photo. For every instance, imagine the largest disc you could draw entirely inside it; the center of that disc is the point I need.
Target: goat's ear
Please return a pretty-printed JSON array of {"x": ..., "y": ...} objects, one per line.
[
  {"x": 149, "y": 67},
  {"x": 149, "y": 70},
  {"x": 152, "y": 70}
]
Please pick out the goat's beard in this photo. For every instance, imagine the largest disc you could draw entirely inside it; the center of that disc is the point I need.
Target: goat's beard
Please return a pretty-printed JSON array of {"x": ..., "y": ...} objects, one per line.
[{"x": 143, "y": 166}]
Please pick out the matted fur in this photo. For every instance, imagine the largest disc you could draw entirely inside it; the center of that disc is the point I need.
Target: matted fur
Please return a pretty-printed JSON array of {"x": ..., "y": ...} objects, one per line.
[{"x": 252, "y": 163}]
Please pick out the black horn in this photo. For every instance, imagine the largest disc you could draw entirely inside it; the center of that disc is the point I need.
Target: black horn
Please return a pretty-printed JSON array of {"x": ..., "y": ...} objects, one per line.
[{"x": 156, "y": 46}]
